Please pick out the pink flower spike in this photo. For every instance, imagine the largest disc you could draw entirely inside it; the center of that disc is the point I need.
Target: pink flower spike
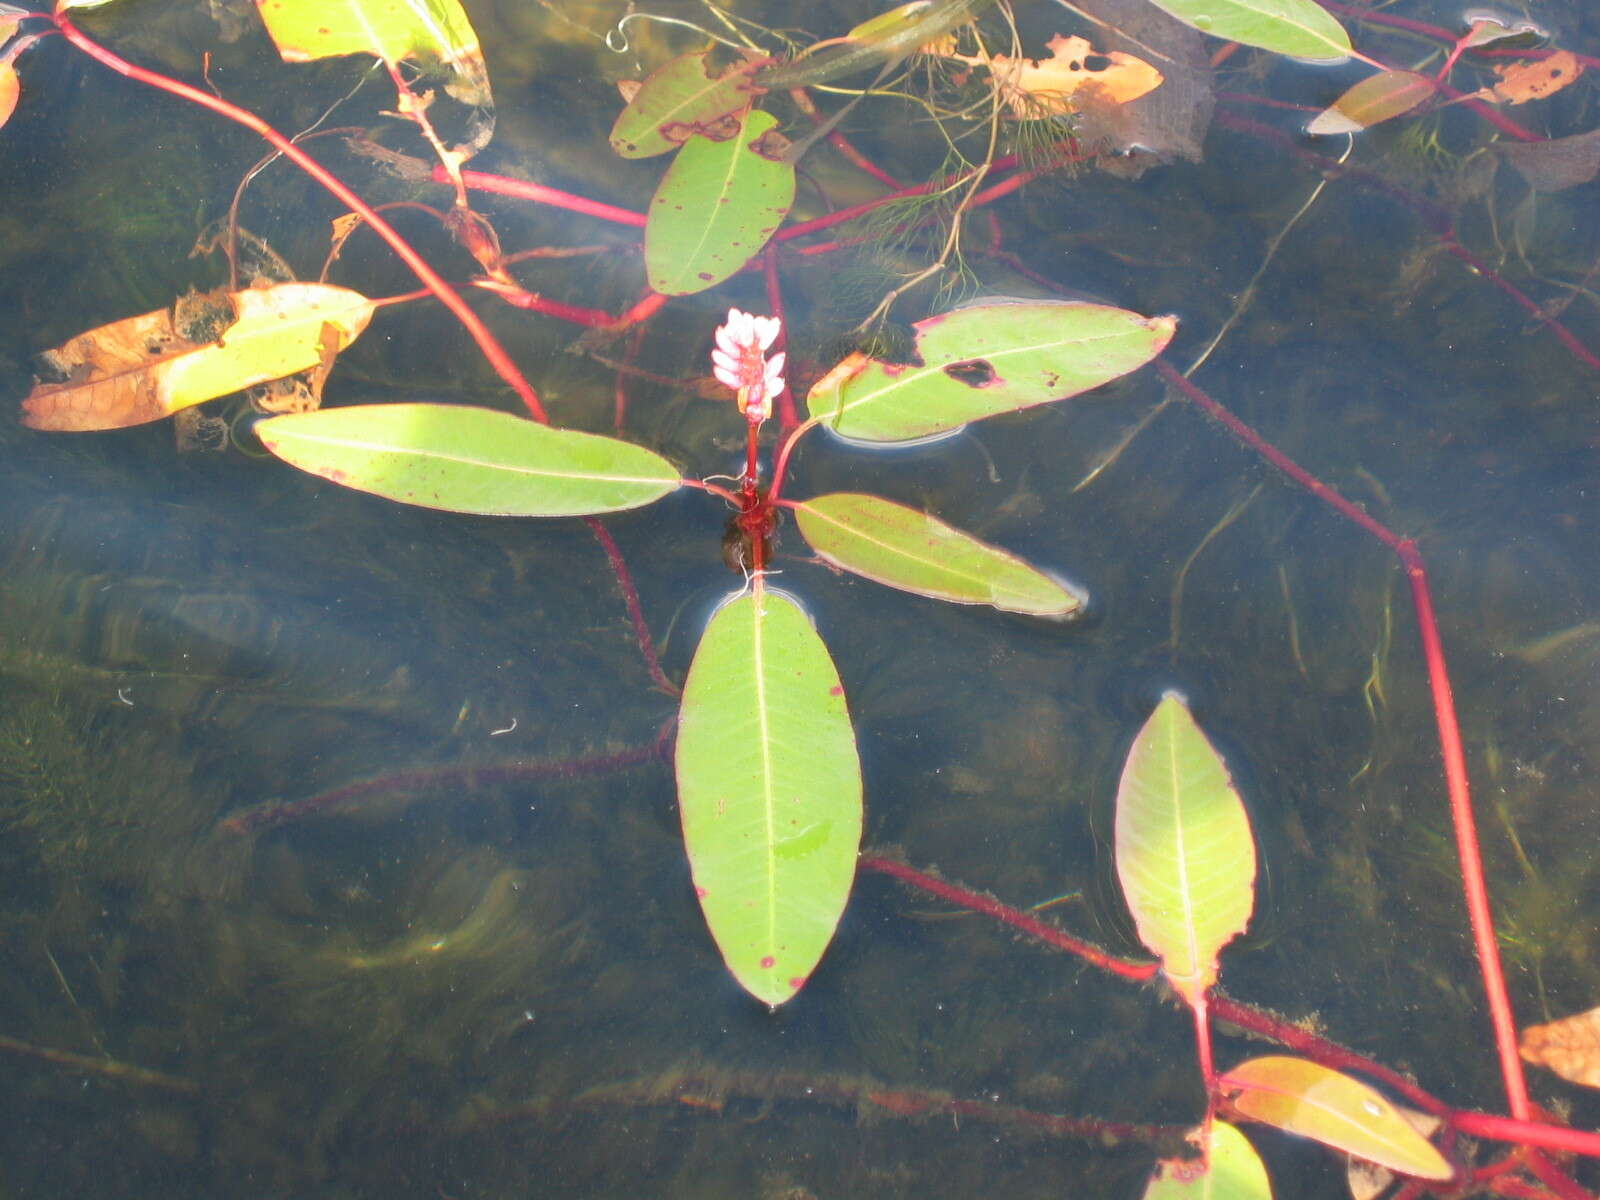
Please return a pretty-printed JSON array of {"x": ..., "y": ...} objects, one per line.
[{"x": 739, "y": 361}]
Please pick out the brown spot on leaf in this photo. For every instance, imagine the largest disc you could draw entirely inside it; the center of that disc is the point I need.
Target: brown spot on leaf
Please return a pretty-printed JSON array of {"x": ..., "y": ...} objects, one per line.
[
  {"x": 975, "y": 372},
  {"x": 771, "y": 145}
]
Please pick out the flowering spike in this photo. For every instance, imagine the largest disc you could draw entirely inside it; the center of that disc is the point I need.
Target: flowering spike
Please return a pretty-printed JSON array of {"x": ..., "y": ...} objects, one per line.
[{"x": 739, "y": 361}]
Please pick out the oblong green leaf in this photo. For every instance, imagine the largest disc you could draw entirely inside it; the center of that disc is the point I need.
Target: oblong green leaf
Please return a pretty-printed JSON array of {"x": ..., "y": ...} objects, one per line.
[
  {"x": 1376, "y": 98},
  {"x": 987, "y": 359},
  {"x": 1185, "y": 857},
  {"x": 677, "y": 100},
  {"x": 1230, "y": 1170},
  {"x": 470, "y": 460},
  {"x": 905, "y": 548},
  {"x": 716, "y": 206},
  {"x": 1318, "y": 1102},
  {"x": 1298, "y": 28},
  {"x": 393, "y": 30},
  {"x": 769, "y": 788}
]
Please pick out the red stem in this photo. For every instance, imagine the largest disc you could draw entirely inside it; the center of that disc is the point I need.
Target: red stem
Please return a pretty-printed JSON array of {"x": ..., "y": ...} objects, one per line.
[
  {"x": 592, "y": 318},
  {"x": 839, "y": 142},
  {"x": 752, "y": 467},
  {"x": 1435, "y": 216},
  {"x": 1255, "y": 1020},
  {"x": 504, "y": 185},
  {"x": 630, "y": 597},
  {"x": 1554, "y": 325},
  {"x": 1466, "y": 830},
  {"x": 801, "y": 228},
  {"x": 647, "y": 307},
  {"x": 458, "y": 778},
  {"x": 492, "y": 350},
  {"x": 1208, "y": 1068},
  {"x": 619, "y": 415},
  {"x": 1473, "y": 884},
  {"x": 1552, "y": 1176},
  {"x": 781, "y": 461},
  {"x": 1016, "y": 918},
  {"x": 1276, "y": 457}
]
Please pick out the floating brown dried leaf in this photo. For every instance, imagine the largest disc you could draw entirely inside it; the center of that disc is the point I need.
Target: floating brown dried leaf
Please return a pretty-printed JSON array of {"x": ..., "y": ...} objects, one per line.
[{"x": 1570, "y": 1047}]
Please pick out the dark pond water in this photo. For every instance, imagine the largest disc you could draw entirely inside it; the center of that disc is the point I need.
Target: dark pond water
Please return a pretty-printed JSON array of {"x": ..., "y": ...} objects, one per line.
[{"x": 467, "y": 983}]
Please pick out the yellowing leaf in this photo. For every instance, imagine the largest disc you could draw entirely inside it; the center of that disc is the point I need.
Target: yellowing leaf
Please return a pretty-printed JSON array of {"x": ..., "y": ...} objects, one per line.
[
  {"x": 1033, "y": 87},
  {"x": 147, "y": 367},
  {"x": 1376, "y": 98},
  {"x": 10, "y": 90},
  {"x": 1317, "y": 1102},
  {"x": 1570, "y": 1047}
]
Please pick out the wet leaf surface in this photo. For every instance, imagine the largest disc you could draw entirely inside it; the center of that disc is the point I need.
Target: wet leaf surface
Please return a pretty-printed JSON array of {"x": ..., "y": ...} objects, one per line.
[{"x": 769, "y": 788}]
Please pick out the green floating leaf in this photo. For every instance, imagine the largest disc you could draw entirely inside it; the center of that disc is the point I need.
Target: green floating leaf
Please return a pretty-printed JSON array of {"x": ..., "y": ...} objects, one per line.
[
  {"x": 1231, "y": 1170},
  {"x": 716, "y": 207},
  {"x": 1376, "y": 98},
  {"x": 986, "y": 359},
  {"x": 1184, "y": 854},
  {"x": 425, "y": 31},
  {"x": 1298, "y": 28},
  {"x": 1317, "y": 1102},
  {"x": 907, "y": 549},
  {"x": 769, "y": 788},
  {"x": 470, "y": 460},
  {"x": 678, "y": 100}
]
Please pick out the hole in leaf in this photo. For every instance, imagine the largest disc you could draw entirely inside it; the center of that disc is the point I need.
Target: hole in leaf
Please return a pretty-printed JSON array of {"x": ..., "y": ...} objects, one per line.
[{"x": 975, "y": 372}]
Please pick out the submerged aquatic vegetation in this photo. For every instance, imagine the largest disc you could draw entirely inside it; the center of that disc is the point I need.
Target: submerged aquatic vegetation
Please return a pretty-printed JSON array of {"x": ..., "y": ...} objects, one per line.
[{"x": 97, "y": 805}]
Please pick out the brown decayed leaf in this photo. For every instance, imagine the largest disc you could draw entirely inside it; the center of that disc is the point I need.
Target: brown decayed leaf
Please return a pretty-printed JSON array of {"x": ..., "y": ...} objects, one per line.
[
  {"x": 1032, "y": 87},
  {"x": 1171, "y": 122},
  {"x": 1555, "y": 164},
  {"x": 1534, "y": 80},
  {"x": 105, "y": 378},
  {"x": 147, "y": 367},
  {"x": 1570, "y": 1047}
]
